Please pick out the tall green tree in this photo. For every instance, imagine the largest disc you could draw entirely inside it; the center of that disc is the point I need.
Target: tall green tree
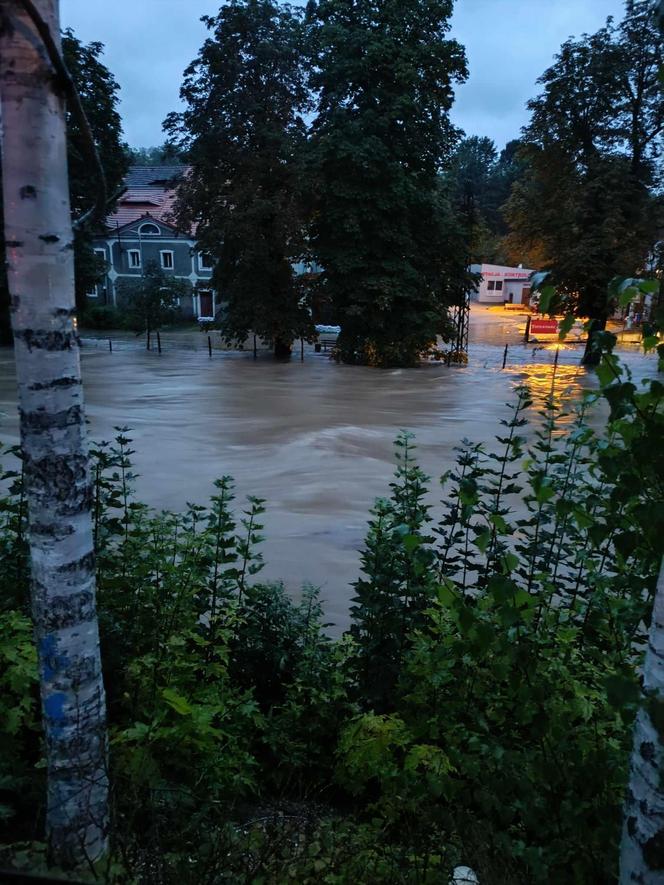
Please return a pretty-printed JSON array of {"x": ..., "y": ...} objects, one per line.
[
  {"x": 481, "y": 180},
  {"x": 383, "y": 225},
  {"x": 98, "y": 91},
  {"x": 585, "y": 205},
  {"x": 244, "y": 134}
]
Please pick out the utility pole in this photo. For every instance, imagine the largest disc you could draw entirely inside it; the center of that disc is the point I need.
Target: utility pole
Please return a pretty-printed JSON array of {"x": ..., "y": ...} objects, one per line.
[{"x": 40, "y": 257}]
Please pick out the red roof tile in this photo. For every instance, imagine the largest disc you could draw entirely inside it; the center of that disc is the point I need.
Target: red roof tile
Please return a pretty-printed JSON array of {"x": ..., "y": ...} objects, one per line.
[{"x": 150, "y": 191}]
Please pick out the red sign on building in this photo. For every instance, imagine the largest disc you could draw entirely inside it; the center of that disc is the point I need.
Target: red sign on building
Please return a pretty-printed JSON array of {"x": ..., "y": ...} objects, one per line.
[{"x": 544, "y": 327}]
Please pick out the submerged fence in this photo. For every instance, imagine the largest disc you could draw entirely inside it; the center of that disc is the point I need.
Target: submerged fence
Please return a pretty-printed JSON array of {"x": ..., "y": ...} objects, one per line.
[{"x": 493, "y": 356}]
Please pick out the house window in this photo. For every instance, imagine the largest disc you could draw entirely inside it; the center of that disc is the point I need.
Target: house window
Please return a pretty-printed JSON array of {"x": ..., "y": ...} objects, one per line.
[
  {"x": 167, "y": 260},
  {"x": 491, "y": 285},
  {"x": 205, "y": 261},
  {"x": 499, "y": 285},
  {"x": 149, "y": 230},
  {"x": 134, "y": 258}
]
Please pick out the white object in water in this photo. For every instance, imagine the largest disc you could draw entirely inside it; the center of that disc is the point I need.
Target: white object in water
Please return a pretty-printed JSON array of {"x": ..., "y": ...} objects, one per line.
[
  {"x": 464, "y": 876},
  {"x": 329, "y": 330}
]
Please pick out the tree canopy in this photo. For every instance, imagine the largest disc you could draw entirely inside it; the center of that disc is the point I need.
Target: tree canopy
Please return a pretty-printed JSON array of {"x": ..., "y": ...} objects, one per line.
[
  {"x": 585, "y": 205},
  {"x": 168, "y": 154},
  {"x": 481, "y": 180},
  {"x": 98, "y": 91},
  {"x": 383, "y": 227},
  {"x": 244, "y": 133}
]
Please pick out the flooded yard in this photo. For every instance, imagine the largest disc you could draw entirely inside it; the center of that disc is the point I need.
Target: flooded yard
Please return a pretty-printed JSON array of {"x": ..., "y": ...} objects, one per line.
[{"x": 314, "y": 438}]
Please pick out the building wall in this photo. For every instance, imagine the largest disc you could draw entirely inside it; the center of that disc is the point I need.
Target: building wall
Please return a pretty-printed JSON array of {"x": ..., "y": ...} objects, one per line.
[
  {"x": 184, "y": 263},
  {"x": 499, "y": 282}
]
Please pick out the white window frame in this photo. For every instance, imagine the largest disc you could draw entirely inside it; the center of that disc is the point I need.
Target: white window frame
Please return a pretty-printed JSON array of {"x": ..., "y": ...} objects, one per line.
[
  {"x": 201, "y": 261},
  {"x": 130, "y": 265},
  {"x": 206, "y": 292},
  {"x": 151, "y": 233},
  {"x": 170, "y": 252}
]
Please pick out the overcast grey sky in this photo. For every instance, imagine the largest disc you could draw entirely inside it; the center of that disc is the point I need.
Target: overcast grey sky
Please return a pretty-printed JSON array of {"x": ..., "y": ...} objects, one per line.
[{"x": 509, "y": 44}]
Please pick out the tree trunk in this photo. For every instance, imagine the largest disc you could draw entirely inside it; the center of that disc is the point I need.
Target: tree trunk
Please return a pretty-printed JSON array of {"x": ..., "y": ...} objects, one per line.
[
  {"x": 6, "y": 337},
  {"x": 58, "y": 487},
  {"x": 591, "y": 356},
  {"x": 282, "y": 349},
  {"x": 642, "y": 851}
]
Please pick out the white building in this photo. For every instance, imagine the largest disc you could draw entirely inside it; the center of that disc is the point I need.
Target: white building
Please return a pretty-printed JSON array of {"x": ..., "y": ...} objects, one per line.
[{"x": 502, "y": 284}]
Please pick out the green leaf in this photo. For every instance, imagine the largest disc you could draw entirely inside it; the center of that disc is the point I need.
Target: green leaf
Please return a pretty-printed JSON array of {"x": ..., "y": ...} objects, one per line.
[
  {"x": 565, "y": 326},
  {"x": 176, "y": 702},
  {"x": 650, "y": 342},
  {"x": 509, "y": 562},
  {"x": 497, "y": 520},
  {"x": 547, "y": 295},
  {"x": 482, "y": 540},
  {"x": 446, "y": 594},
  {"x": 607, "y": 370},
  {"x": 627, "y": 296},
  {"x": 649, "y": 287},
  {"x": 411, "y": 543}
]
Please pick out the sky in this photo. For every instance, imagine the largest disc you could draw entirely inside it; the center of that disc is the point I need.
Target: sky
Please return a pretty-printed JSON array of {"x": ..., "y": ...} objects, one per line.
[{"x": 509, "y": 43}]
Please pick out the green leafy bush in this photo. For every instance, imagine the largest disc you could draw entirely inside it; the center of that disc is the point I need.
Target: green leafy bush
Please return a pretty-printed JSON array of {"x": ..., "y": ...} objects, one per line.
[{"x": 102, "y": 317}]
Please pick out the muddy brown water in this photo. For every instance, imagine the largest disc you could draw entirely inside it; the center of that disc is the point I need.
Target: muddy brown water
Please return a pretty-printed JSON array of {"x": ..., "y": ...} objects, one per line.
[{"x": 315, "y": 438}]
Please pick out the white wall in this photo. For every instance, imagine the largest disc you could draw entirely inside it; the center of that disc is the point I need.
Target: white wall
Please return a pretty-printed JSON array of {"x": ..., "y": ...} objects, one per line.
[{"x": 498, "y": 273}]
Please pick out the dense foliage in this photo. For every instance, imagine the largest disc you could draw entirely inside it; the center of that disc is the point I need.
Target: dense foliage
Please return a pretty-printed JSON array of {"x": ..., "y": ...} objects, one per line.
[
  {"x": 479, "y": 709},
  {"x": 481, "y": 181},
  {"x": 586, "y": 208},
  {"x": 244, "y": 134},
  {"x": 384, "y": 231},
  {"x": 98, "y": 91},
  {"x": 150, "y": 301},
  {"x": 164, "y": 154}
]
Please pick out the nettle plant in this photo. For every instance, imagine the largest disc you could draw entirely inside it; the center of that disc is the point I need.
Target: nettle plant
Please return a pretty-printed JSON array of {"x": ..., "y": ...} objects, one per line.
[
  {"x": 499, "y": 642},
  {"x": 220, "y": 688}
]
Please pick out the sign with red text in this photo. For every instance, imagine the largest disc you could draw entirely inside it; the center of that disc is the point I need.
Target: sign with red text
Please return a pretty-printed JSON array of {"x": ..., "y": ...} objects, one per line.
[{"x": 544, "y": 327}]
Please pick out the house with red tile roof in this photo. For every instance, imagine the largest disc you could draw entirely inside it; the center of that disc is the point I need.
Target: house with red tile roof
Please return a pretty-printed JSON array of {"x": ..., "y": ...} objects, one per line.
[{"x": 142, "y": 229}]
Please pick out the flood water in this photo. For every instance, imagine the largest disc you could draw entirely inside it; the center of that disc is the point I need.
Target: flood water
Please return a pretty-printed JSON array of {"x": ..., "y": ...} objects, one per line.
[{"x": 314, "y": 438}]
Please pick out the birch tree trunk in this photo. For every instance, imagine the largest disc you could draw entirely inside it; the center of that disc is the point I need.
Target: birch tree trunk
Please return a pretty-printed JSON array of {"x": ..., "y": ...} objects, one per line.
[
  {"x": 642, "y": 851},
  {"x": 58, "y": 489}
]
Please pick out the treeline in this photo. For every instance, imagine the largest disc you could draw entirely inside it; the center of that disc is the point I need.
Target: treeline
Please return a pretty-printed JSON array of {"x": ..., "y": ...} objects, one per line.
[
  {"x": 320, "y": 139},
  {"x": 323, "y": 137}
]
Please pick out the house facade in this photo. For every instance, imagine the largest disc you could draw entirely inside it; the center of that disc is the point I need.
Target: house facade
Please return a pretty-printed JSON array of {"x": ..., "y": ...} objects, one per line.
[
  {"x": 503, "y": 285},
  {"x": 141, "y": 231}
]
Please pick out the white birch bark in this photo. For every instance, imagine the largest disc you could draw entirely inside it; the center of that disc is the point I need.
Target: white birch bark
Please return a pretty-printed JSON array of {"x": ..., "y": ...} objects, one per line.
[
  {"x": 642, "y": 851},
  {"x": 58, "y": 489}
]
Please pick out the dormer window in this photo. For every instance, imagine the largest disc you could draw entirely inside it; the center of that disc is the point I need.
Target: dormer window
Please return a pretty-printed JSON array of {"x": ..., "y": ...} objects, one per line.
[
  {"x": 149, "y": 230},
  {"x": 205, "y": 261}
]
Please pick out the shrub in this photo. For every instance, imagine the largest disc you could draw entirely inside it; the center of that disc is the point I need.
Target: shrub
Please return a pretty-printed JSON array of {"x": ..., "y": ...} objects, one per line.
[{"x": 102, "y": 317}]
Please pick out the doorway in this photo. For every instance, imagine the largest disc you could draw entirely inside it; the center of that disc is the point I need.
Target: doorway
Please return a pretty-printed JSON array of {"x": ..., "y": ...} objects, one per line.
[{"x": 205, "y": 304}]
